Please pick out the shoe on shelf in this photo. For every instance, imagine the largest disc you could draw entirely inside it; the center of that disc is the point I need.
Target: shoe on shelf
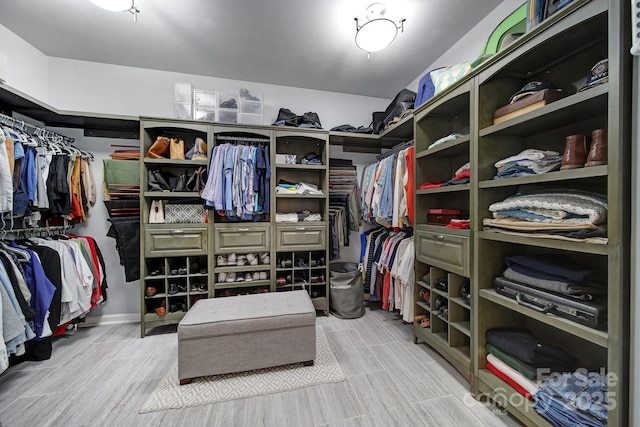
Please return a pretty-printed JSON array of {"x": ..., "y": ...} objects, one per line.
[
  {"x": 203, "y": 287},
  {"x": 183, "y": 306},
  {"x": 231, "y": 277},
  {"x": 182, "y": 270},
  {"x": 232, "y": 259},
  {"x": 252, "y": 258},
  {"x": 286, "y": 263},
  {"x": 241, "y": 260},
  {"x": 239, "y": 277},
  {"x": 264, "y": 275},
  {"x": 221, "y": 260},
  {"x": 222, "y": 277},
  {"x": 173, "y": 308},
  {"x": 264, "y": 258},
  {"x": 301, "y": 263},
  {"x": 248, "y": 277},
  {"x": 204, "y": 270},
  {"x": 173, "y": 272},
  {"x": 173, "y": 288},
  {"x": 256, "y": 275},
  {"x": 161, "y": 309},
  {"x": 182, "y": 287},
  {"x": 194, "y": 287},
  {"x": 151, "y": 291},
  {"x": 245, "y": 94},
  {"x": 194, "y": 268}
]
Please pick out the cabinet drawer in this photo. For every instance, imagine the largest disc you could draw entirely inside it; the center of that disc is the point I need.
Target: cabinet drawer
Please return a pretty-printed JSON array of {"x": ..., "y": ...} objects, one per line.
[
  {"x": 175, "y": 242},
  {"x": 242, "y": 238},
  {"x": 445, "y": 251},
  {"x": 301, "y": 237}
]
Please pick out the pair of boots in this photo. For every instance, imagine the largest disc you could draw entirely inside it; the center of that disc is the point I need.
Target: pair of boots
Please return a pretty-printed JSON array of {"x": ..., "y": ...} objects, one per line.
[{"x": 575, "y": 151}]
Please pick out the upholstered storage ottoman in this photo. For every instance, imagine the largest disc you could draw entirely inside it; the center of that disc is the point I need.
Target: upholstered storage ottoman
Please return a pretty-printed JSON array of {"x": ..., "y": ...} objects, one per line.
[{"x": 242, "y": 333}]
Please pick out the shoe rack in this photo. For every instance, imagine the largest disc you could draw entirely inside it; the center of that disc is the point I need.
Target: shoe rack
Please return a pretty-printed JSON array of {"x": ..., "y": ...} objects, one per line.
[{"x": 302, "y": 270}]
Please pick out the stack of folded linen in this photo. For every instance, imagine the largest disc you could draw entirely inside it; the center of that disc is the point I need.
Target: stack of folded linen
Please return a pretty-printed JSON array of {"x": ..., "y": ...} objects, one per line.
[
  {"x": 559, "y": 214},
  {"x": 519, "y": 358},
  {"x": 575, "y": 399},
  {"x": 528, "y": 162}
]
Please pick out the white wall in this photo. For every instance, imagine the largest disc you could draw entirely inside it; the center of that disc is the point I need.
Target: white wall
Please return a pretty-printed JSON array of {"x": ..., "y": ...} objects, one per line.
[
  {"x": 470, "y": 45},
  {"x": 27, "y": 67},
  {"x": 114, "y": 89}
]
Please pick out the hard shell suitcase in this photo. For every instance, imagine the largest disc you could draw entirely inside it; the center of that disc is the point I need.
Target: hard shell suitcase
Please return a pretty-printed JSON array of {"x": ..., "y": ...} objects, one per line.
[{"x": 589, "y": 313}]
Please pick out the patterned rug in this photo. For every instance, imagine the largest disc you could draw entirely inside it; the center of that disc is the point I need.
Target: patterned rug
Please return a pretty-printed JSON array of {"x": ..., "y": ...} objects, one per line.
[{"x": 218, "y": 388}]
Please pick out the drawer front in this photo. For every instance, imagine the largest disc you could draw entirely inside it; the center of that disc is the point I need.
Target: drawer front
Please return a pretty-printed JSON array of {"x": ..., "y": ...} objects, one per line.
[
  {"x": 301, "y": 237},
  {"x": 175, "y": 242},
  {"x": 444, "y": 251},
  {"x": 239, "y": 238}
]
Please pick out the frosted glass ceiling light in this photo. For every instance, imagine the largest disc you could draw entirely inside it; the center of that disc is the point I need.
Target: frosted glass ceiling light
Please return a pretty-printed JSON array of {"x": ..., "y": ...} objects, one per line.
[
  {"x": 377, "y": 32},
  {"x": 118, "y": 6}
]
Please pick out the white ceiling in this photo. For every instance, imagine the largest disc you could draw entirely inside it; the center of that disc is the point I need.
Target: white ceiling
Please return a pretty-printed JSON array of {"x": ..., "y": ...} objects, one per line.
[{"x": 300, "y": 43}]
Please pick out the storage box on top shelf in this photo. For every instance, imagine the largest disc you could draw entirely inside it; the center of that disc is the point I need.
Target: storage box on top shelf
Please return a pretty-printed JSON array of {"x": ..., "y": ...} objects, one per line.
[
  {"x": 204, "y": 113},
  {"x": 227, "y": 115},
  {"x": 182, "y": 93},
  {"x": 204, "y": 98}
]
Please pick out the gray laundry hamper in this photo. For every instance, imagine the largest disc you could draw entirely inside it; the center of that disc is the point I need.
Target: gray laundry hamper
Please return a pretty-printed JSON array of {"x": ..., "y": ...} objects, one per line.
[{"x": 346, "y": 294}]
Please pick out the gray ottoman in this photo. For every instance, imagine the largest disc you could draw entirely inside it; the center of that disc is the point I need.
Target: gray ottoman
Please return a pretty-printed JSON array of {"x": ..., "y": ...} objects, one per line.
[{"x": 242, "y": 333}]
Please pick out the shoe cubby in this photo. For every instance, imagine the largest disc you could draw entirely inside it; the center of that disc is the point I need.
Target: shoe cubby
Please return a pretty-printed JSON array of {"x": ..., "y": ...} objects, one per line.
[
  {"x": 302, "y": 270},
  {"x": 247, "y": 290}
]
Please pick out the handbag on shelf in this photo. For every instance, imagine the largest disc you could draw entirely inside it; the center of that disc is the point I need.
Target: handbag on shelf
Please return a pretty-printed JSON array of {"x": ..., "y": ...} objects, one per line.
[
  {"x": 159, "y": 149},
  {"x": 184, "y": 214},
  {"x": 156, "y": 212},
  {"x": 199, "y": 150},
  {"x": 176, "y": 149},
  {"x": 179, "y": 183},
  {"x": 157, "y": 181},
  {"x": 197, "y": 180}
]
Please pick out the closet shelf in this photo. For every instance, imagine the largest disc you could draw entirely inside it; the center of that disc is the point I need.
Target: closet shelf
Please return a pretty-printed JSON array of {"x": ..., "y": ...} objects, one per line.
[
  {"x": 172, "y": 195},
  {"x": 588, "y": 248},
  {"x": 424, "y": 305},
  {"x": 585, "y": 104},
  {"x": 171, "y": 162},
  {"x": 448, "y": 149},
  {"x": 422, "y": 284},
  {"x": 460, "y": 302},
  {"x": 462, "y": 354},
  {"x": 300, "y": 196},
  {"x": 302, "y": 167},
  {"x": 464, "y": 327},
  {"x": 447, "y": 189},
  {"x": 600, "y": 338},
  {"x": 235, "y": 268},
  {"x": 249, "y": 284},
  {"x": 94, "y": 124},
  {"x": 573, "y": 174}
]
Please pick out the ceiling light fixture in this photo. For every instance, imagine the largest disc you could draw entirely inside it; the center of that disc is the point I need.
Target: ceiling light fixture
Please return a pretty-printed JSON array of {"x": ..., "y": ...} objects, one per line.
[
  {"x": 377, "y": 32},
  {"x": 118, "y": 6}
]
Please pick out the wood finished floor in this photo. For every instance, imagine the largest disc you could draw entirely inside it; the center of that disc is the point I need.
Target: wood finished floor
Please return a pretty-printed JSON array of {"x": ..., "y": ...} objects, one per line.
[{"x": 101, "y": 376}]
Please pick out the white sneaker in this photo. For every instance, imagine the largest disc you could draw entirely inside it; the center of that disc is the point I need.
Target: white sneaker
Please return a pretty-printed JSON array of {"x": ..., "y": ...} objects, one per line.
[
  {"x": 248, "y": 277},
  {"x": 222, "y": 277},
  {"x": 253, "y": 259},
  {"x": 264, "y": 258},
  {"x": 232, "y": 259},
  {"x": 231, "y": 277},
  {"x": 256, "y": 275},
  {"x": 241, "y": 260},
  {"x": 221, "y": 260},
  {"x": 264, "y": 275},
  {"x": 239, "y": 277}
]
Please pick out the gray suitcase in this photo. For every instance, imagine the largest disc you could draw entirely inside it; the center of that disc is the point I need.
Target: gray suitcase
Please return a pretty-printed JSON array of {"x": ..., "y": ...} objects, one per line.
[{"x": 589, "y": 313}]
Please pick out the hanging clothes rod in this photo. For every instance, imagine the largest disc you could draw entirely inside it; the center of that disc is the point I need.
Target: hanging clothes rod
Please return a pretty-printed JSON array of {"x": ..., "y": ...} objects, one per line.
[
  {"x": 32, "y": 129},
  {"x": 395, "y": 150},
  {"x": 241, "y": 139}
]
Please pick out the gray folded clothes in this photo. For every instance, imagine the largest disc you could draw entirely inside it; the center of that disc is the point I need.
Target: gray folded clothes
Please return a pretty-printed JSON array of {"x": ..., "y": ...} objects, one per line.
[{"x": 572, "y": 289}]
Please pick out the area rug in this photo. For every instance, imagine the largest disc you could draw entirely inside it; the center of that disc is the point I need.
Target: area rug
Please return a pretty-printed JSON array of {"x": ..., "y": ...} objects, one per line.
[{"x": 218, "y": 388}]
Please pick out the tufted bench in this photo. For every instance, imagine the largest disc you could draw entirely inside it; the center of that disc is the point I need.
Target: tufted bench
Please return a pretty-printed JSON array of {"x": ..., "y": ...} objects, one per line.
[{"x": 242, "y": 333}]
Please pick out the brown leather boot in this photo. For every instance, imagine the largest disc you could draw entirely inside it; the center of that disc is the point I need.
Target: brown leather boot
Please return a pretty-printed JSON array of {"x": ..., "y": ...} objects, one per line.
[
  {"x": 575, "y": 152},
  {"x": 598, "y": 152}
]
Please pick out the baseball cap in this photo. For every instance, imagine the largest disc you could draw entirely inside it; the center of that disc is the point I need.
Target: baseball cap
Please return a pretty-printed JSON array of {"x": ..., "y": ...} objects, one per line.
[
  {"x": 529, "y": 89},
  {"x": 599, "y": 74}
]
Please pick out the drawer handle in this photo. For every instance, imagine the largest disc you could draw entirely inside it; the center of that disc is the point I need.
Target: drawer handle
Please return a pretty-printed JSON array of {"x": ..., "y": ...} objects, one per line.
[
  {"x": 176, "y": 232},
  {"x": 243, "y": 229},
  {"x": 439, "y": 237},
  {"x": 300, "y": 228}
]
